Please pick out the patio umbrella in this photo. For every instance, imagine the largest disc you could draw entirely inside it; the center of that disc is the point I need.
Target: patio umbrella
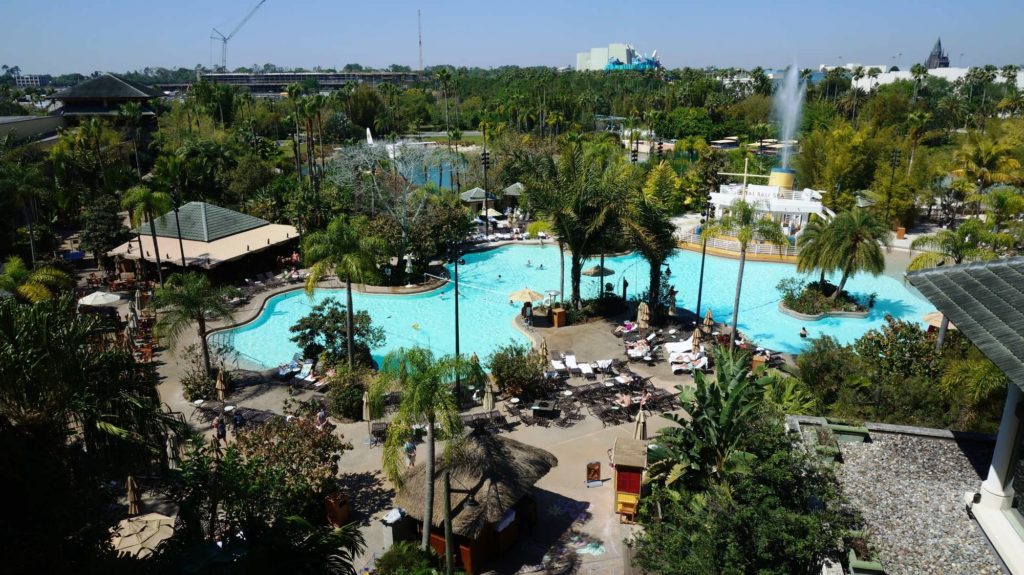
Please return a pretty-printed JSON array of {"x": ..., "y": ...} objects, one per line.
[
  {"x": 640, "y": 431},
  {"x": 140, "y": 536},
  {"x": 367, "y": 416},
  {"x": 491, "y": 212},
  {"x": 934, "y": 319},
  {"x": 643, "y": 315},
  {"x": 134, "y": 496},
  {"x": 221, "y": 386},
  {"x": 696, "y": 339},
  {"x": 598, "y": 272},
  {"x": 525, "y": 295},
  {"x": 488, "y": 396},
  {"x": 99, "y": 299},
  {"x": 709, "y": 322}
]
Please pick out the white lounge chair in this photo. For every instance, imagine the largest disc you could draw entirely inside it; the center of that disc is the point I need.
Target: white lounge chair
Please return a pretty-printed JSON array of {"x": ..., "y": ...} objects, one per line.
[
  {"x": 587, "y": 371},
  {"x": 571, "y": 363},
  {"x": 558, "y": 365}
]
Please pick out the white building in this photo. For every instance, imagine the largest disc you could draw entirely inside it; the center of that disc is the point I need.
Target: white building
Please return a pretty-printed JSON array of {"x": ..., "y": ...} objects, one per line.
[
  {"x": 948, "y": 74},
  {"x": 790, "y": 208},
  {"x": 596, "y": 59}
]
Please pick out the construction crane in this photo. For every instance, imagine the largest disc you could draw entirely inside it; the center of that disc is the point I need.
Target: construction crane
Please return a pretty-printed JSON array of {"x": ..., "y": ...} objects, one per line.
[{"x": 216, "y": 35}]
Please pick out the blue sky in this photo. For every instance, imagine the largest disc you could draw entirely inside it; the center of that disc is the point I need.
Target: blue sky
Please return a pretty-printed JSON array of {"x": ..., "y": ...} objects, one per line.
[{"x": 57, "y": 36}]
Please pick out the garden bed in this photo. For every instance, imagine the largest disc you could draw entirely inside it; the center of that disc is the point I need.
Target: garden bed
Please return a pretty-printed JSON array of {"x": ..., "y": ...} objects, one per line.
[{"x": 812, "y": 301}]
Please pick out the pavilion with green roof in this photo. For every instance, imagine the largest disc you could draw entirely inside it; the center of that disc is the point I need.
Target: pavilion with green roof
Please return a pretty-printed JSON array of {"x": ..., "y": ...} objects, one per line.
[{"x": 210, "y": 236}]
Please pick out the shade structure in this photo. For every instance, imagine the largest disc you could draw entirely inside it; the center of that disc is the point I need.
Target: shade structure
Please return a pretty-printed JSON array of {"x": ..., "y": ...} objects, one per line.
[
  {"x": 491, "y": 213},
  {"x": 525, "y": 295},
  {"x": 140, "y": 536},
  {"x": 934, "y": 319},
  {"x": 696, "y": 339},
  {"x": 222, "y": 387},
  {"x": 488, "y": 397},
  {"x": 488, "y": 477},
  {"x": 477, "y": 195},
  {"x": 640, "y": 431},
  {"x": 134, "y": 495},
  {"x": 99, "y": 298},
  {"x": 598, "y": 272},
  {"x": 643, "y": 315},
  {"x": 709, "y": 322},
  {"x": 515, "y": 189}
]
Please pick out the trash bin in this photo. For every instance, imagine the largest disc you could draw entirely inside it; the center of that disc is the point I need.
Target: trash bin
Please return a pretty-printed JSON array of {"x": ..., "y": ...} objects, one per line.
[
  {"x": 901, "y": 233},
  {"x": 558, "y": 317}
]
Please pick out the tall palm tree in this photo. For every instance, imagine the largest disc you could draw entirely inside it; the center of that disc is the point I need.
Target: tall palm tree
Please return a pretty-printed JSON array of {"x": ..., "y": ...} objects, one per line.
[
  {"x": 649, "y": 228},
  {"x": 444, "y": 77},
  {"x": 173, "y": 172},
  {"x": 916, "y": 124},
  {"x": 32, "y": 285},
  {"x": 856, "y": 242},
  {"x": 144, "y": 204},
  {"x": 24, "y": 182},
  {"x": 346, "y": 251},
  {"x": 745, "y": 224},
  {"x": 428, "y": 400},
  {"x": 190, "y": 298},
  {"x": 969, "y": 242},
  {"x": 130, "y": 114},
  {"x": 918, "y": 72},
  {"x": 873, "y": 73}
]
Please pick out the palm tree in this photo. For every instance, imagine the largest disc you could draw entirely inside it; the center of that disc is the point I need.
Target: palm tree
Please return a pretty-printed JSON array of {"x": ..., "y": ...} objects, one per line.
[
  {"x": 969, "y": 242},
  {"x": 32, "y": 285},
  {"x": 986, "y": 161},
  {"x": 173, "y": 172},
  {"x": 24, "y": 182},
  {"x": 857, "y": 237},
  {"x": 873, "y": 73},
  {"x": 444, "y": 77},
  {"x": 427, "y": 400},
  {"x": 919, "y": 72},
  {"x": 813, "y": 245},
  {"x": 745, "y": 224},
  {"x": 342, "y": 249},
  {"x": 916, "y": 124},
  {"x": 188, "y": 298},
  {"x": 648, "y": 227},
  {"x": 706, "y": 449},
  {"x": 145, "y": 204},
  {"x": 130, "y": 115}
]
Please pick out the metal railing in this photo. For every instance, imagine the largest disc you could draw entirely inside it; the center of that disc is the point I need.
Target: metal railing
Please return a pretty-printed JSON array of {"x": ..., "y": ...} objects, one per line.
[{"x": 732, "y": 245}]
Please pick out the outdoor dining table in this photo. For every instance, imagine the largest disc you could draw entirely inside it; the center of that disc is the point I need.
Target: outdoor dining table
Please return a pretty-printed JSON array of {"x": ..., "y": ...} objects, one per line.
[{"x": 544, "y": 408}]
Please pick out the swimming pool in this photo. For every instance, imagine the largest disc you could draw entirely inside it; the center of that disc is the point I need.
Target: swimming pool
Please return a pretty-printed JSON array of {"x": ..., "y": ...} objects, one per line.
[{"x": 486, "y": 316}]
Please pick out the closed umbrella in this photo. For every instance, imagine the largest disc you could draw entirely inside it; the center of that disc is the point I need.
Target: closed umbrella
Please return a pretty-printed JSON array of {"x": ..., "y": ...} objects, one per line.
[
  {"x": 367, "y": 416},
  {"x": 640, "y": 431},
  {"x": 488, "y": 397},
  {"x": 544, "y": 348},
  {"x": 134, "y": 496},
  {"x": 696, "y": 339},
  {"x": 643, "y": 315},
  {"x": 222, "y": 388},
  {"x": 525, "y": 295},
  {"x": 99, "y": 299},
  {"x": 709, "y": 322}
]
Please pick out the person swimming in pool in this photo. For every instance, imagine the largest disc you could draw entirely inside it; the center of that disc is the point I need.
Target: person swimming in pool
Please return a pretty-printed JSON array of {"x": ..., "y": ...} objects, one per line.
[
  {"x": 540, "y": 266},
  {"x": 529, "y": 264},
  {"x": 803, "y": 332}
]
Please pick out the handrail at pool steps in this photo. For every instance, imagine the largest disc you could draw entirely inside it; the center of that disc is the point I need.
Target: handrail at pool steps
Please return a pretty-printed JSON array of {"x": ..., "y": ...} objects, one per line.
[{"x": 729, "y": 245}]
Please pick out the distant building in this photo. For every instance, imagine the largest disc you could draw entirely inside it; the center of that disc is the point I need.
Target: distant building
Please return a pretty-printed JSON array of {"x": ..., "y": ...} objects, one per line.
[
  {"x": 38, "y": 130},
  {"x": 32, "y": 80},
  {"x": 938, "y": 58},
  {"x": 616, "y": 57},
  {"x": 103, "y": 96},
  {"x": 277, "y": 82}
]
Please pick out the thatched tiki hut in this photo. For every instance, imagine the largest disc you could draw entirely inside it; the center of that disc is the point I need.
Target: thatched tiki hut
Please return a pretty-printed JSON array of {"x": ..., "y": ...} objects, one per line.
[{"x": 491, "y": 480}]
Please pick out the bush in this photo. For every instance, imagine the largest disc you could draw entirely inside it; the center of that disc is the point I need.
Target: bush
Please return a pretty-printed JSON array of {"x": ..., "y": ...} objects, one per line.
[
  {"x": 196, "y": 383},
  {"x": 405, "y": 558},
  {"x": 518, "y": 370},
  {"x": 813, "y": 298},
  {"x": 345, "y": 396},
  {"x": 826, "y": 367}
]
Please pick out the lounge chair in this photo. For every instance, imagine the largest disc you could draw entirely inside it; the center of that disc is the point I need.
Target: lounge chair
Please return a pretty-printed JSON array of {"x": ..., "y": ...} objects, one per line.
[
  {"x": 286, "y": 370},
  {"x": 571, "y": 363},
  {"x": 587, "y": 371},
  {"x": 558, "y": 365}
]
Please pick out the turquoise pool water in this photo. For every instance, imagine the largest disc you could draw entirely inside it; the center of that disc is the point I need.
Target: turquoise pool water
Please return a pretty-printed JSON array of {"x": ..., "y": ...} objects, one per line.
[{"x": 486, "y": 316}]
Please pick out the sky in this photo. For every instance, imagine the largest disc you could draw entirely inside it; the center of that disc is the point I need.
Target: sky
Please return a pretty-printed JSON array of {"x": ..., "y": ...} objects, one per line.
[{"x": 62, "y": 36}]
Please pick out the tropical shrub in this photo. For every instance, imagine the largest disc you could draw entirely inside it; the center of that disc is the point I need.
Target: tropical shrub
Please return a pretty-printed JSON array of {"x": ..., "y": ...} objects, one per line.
[
  {"x": 813, "y": 298},
  {"x": 345, "y": 396},
  {"x": 405, "y": 558},
  {"x": 324, "y": 330},
  {"x": 517, "y": 370}
]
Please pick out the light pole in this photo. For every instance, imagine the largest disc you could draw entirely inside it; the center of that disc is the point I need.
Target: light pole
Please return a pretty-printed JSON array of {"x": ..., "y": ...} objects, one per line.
[
  {"x": 458, "y": 378},
  {"x": 485, "y": 159},
  {"x": 706, "y": 215},
  {"x": 176, "y": 198}
]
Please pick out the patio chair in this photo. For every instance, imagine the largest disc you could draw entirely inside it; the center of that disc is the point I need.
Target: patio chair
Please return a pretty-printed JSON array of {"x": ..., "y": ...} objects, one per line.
[{"x": 572, "y": 364}]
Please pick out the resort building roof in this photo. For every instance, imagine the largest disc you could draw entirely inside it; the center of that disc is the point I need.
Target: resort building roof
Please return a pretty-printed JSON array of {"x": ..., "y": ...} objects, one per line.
[{"x": 103, "y": 96}]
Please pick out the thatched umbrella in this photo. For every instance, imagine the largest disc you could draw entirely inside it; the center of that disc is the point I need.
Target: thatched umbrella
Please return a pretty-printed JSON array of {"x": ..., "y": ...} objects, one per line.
[
  {"x": 525, "y": 295},
  {"x": 643, "y": 316},
  {"x": 489, "y": 476},
  {"x": 140, "y": 536},
  {"x": 134, "y": 496},
  {"x": 709, "y": 322},
  {"x": 696, "y": 339},
  {"x": 640, "y": 431},
  {"x": 544, "y": 348},
  {"x": 222, "y": 388},
  {"x": 598, "y": 272}
]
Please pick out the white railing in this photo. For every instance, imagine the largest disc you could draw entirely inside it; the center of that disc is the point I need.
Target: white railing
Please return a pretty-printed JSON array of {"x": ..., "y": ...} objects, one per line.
[
  {"x": 731, "y": 245},
  {"x": 762, "y": 194}
]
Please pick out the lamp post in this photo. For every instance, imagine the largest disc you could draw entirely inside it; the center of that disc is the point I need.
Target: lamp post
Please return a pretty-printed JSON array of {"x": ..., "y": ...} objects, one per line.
[
  {"x": 485, "y": 159},
  {"x": 706, "y": 215},
  {"x": 176, "y": 198}
]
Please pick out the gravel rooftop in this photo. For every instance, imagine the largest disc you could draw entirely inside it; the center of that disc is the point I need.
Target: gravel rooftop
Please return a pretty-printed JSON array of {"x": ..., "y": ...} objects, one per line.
[{"x": 910, "y": 492}]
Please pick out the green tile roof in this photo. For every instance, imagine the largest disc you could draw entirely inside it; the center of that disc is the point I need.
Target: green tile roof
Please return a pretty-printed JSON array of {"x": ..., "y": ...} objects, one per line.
[
  {"x": 986, "y": 302},
  {"x": 108, "y": 87},
  {"x": 204, "y": 222}
]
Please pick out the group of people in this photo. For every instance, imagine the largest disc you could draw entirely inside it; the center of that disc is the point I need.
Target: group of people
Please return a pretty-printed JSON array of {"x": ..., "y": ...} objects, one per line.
[
  {"x": 625, "y": 400},
  {"x": 220, "y": 426}
]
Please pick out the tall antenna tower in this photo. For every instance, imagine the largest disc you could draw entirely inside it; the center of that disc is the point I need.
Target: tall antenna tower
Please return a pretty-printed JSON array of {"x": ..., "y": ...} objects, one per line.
[{"x": 419, "y": 30}]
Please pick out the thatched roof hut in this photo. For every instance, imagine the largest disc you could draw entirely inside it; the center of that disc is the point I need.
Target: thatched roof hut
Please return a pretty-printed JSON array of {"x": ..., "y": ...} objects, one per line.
[{"x": 489, "y": 476}]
